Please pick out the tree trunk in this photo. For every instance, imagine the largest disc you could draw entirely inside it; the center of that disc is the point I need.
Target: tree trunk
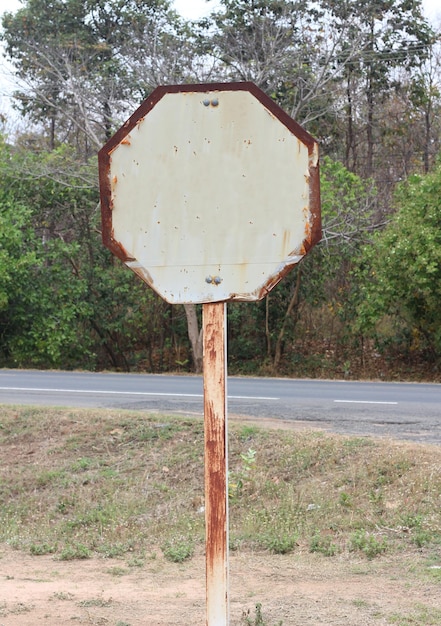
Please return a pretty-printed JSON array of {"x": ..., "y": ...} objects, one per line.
[
  {"x": 350, "y": 139},
  {"x": 427, "y": 137},
  {"x": 370, "y": 106},
  {"x": 195, "y": 336},
  {"x": 267, "y": 329},
  {"x": 293, "y": 303}
]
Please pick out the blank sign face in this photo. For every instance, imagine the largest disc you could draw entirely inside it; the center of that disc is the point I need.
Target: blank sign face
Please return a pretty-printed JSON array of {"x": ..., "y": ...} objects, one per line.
[{"x": 208, "y": 194}]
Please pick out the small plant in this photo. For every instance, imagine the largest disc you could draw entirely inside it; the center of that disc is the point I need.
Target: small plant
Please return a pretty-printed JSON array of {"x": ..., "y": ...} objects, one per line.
[
  {"x": 82, "y": 464},
  {"x": 71, "y": 553},
  {"x": 283, "y": 543},
  {"x": 367, "y": 543},
  {"x": 257, "y": 620},
  {"x": 323, "y": 545},
  {"x": 60, "y": 595},
  {"x": 345, "y": 499},
  {"x": 237, "y": 479},
  {"x": 178, "y": 550},
  {"x": 247, "y": 431},
  {"x": 38, "y": 549}
]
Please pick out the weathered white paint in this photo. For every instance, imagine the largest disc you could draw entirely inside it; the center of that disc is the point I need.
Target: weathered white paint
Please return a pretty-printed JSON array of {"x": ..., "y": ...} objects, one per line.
[{"x": 210, "y": 196}]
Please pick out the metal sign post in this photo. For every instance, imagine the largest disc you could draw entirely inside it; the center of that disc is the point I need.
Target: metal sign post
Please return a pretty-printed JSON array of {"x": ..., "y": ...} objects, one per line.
[
  {"x": 210, "y": 194},
  {"x": 216, "y": 462}
]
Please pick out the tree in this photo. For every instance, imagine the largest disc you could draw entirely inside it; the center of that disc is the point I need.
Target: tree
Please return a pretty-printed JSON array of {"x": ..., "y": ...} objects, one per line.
[
  {"x": 85, "y": 65},
  {"x": 287, "y": 47},
  {"x": 64, "y": 301},
  {"x": 17, "y": 256},
  {"x": 399, "y": 275},
  {"x": 388, "y": 35}
]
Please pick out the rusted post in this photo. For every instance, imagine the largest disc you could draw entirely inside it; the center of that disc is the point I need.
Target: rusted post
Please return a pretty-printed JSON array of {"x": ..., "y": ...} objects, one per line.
[{"x": 216, "y": 462}]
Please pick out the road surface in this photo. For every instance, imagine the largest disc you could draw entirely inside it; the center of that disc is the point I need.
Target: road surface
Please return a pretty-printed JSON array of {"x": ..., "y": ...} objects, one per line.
[{"x": 400, "y": 410}]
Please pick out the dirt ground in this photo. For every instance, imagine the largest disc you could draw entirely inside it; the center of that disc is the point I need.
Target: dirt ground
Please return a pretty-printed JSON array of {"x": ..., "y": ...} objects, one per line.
[{"x": 295, "y": 589}]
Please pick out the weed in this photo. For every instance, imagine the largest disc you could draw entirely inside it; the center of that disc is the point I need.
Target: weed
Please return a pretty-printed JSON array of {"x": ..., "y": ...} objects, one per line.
[
  {"x": 279, "y": 543},
  {"x": 360, "y": 603},
  {"x": 238, "y": 478},
  {"x": 345, "y": 499},
  {"x": 60, "y": 595},
  {"x": 247, "y": 431},
  {"x": 367, "y": 543},
  {"x": 118, "y": 571},
  {"x": 257, "y": 620},
  {"x": 178, "y": 550},
  {"x": 82, "y": 464},
  {"x": 422, "y": 616},
  {"x": 38, "y": 549},
  {"x": 47, "y": 477},
  {"x": 322, "y": 544},
  {"x": 136, "y": 561},
  {"x": 113, "y": 550},
  {"x": 78, "y": 551},
  {"x": 435, "y": 572}
]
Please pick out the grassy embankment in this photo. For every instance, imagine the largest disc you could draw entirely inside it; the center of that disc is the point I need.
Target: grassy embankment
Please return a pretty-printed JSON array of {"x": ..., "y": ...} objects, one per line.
[{"x": 81, "y": 483}]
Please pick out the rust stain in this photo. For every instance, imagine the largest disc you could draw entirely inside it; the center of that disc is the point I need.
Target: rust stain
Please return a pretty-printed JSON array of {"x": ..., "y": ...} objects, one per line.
[
  {"x": 126, "y": 141},
  {"x": 215, "y": 436}
]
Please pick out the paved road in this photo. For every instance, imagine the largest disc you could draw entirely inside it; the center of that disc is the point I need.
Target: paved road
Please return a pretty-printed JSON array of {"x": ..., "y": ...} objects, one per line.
[{"x": 399, "y": 410}]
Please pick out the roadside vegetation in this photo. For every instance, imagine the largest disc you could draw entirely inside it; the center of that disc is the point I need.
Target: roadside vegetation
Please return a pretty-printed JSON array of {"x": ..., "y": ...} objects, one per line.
[
  {"x": 122, "y": 485},
  {"x": 364, "y": 78}
]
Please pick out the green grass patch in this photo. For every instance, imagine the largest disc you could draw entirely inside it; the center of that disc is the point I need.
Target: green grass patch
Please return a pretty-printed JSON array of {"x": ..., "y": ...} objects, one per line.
[{"x": 421, "y": 616}]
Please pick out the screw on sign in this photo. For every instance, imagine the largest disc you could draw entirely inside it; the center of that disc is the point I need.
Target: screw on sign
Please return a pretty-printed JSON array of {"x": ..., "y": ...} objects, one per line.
[{"x": 210, "y": 193}]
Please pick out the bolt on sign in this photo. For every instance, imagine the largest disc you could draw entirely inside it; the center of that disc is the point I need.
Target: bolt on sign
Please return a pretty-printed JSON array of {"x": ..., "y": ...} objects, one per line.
[{"x": 210, "y": 193}]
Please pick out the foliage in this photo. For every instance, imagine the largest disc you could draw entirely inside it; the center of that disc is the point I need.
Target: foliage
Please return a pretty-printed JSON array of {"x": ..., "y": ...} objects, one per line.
[
  {"x": 65, "y": 302},
  {"x": 238, "y": 478},
  {"x": 399, "y": 275},
  {"x": 367, "y": 543},
  {"x": 363, "y": 77},
  {"x": 178, "y": 550},
  {"x": 79, "y": 62}
]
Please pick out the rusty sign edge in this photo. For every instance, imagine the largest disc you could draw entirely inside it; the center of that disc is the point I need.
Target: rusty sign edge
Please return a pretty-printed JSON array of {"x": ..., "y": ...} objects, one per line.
[{"x": 104, "y": 159}]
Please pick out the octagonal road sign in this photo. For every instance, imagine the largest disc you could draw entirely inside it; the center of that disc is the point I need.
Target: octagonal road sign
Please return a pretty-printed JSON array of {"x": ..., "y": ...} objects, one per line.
[{"x": 210, "y": 192}]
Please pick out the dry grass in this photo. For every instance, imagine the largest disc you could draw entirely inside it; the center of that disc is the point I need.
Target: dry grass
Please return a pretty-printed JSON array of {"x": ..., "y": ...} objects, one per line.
[{"x": 81, "y": 482}]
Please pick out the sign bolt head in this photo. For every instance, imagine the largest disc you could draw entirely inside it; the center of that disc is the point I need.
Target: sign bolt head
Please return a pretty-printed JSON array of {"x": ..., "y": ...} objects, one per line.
[
  {"x": 214, "y": 103},
  {"x": 213, "y": 280}
]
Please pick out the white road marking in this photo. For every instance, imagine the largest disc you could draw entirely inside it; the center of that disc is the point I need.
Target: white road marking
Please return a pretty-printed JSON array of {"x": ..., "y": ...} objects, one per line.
[
  {"x": 130, "y": 393},
  {"x": 364, "y": 402}
]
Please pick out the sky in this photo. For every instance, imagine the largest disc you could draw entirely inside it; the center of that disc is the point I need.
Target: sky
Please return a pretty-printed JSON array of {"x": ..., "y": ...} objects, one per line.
[{"x": 192, "y": 9}]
